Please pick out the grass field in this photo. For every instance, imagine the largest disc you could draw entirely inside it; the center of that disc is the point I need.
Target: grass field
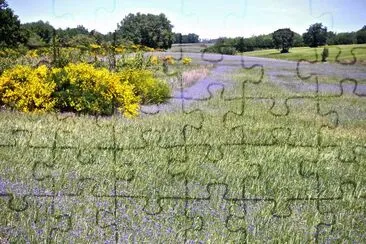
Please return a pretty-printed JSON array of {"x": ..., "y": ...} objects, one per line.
[
  {"x": 250, "y": 166},
  {"x": 344, "y": 52}
]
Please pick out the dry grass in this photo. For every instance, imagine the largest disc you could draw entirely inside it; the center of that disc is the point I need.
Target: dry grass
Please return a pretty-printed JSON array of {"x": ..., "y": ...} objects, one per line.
[{"x": 194, "y": 75}]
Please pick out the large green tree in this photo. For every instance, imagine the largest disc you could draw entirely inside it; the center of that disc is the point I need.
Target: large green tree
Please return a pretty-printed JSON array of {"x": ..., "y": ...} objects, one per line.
[
  {"x": 11, "y": 33},
  {"x": 361, "y": 35},
  {"x": 283, "y": 39},
  {"x": 316, "y": 35},
  {"x": 41, "y": 30},
  {"x": 147, "y": 29}
]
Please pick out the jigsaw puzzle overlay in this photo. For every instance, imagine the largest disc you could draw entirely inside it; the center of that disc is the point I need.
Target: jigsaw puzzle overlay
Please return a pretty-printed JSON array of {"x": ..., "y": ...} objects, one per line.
[{"x": 256, "y": 157}]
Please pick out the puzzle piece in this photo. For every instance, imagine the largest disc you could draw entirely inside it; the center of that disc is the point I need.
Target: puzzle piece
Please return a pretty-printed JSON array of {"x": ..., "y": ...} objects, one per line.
[{"x": 219, "y": 211}]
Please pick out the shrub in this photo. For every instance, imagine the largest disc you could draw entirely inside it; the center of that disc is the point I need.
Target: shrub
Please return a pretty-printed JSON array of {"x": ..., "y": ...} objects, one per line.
[
  {"x": 186, "y": 60},
  {"x": 137, "y": 61},
  {"x": 83, "y": 88},
  {"x": 154, "y": 60},
  {"x": 222, "y": 49},
  {"x": 168, "y": 59},
  {"x": 149, "y": 88},
  {"x": 325, "y": 54},
  {"x": 27, "y": 89}
]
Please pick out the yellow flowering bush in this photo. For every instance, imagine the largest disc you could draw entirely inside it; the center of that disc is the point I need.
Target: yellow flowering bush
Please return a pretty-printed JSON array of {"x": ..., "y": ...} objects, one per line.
[
  {"x": 149, "y": 88},
  {"x": 186, "y": 60},
  {"x": 86, "y": 89},
  {"x": 32, "y": 54},
  {"x": 27, "y": 89},
  {"x": 169, "y": 59},
  {"x": 154, "y": 60}
]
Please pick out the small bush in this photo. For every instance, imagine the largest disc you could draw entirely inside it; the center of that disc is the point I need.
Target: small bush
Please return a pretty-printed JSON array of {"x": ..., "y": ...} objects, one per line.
[
  {"x": 168, "y": 59},
  {"x": 149, "y": 88},
  {"x": 27, "y": 89},
  {"x": 325, "y": 54},
  {"x": 84, "y": 89},
  {"x": 228, "y": 50},
  {"x": 154, "y": 60},
  {"x": 186, "y": 60}
]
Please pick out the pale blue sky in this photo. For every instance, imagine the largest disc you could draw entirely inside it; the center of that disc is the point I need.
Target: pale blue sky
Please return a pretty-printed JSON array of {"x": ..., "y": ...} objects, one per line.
[{"x": 209, "y": 19}]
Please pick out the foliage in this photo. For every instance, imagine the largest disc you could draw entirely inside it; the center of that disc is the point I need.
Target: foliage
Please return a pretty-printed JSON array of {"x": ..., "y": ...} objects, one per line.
[
  {"x": 40, "y": 32},
  {"x": 81, "y": 41},
  {"x": 241, "y": 44},
  {"x": 26, "y": 89},
  {"x": 168, "y": 59},
  {"x": 283, "y": 39},
  {"x": 341, "y": 38},
  {"x": 316, "y": 35},
  {"x": 11, "y": 33},
  {"x": 190, "y": 38},
  {"x": 325, "y": 54},
  {"x": 361, "y": 35},
  {"x": 223, "y": 46},
  {"x": 298, "y": 40},
  {"x": 186, "y": 60},
  {"x": 149, "y": 88},
  {"x": 147, "y": 29},
  {"x": 82, "y": 88},
  {"x": 137, "y": 61}
]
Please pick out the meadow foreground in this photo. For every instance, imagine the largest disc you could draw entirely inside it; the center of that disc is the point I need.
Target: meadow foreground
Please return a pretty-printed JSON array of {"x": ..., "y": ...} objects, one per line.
[{"x": 258, "y": 150}]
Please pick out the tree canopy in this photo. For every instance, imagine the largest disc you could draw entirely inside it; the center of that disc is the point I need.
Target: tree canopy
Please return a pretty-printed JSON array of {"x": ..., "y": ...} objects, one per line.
[
  {"x": 10, "y": 30},
  {"x": 361, "y": 35},
  {"x": 283, "y": 39},
  {"x": 147, "y": 29},
  {"x": 316, "y": 35},
  {"x": 42, "y": 29},
  {"x": 190, "y": 38}
]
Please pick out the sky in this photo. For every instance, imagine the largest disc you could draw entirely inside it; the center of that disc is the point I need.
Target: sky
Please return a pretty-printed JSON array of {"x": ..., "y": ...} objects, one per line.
[{"x": 208, "y": 19}]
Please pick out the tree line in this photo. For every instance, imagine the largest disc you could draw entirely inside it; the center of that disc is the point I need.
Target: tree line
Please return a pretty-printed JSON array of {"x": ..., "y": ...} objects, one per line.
[
  {"x": 150, "y": 30},
  {"x": 283, "y": 39},
  {"x": 155, "y": 31}
]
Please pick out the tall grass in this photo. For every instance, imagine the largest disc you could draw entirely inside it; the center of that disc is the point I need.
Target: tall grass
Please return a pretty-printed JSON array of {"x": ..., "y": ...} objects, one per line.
[{"x": 234, "y": 169}]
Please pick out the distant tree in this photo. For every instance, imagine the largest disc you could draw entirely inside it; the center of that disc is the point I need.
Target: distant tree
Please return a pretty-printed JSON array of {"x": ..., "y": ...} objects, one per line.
[
  {"x": 298, "y": 40},
  {"x": 99, "y": 37},
  {"x": 240, "y": 45},
  {"x": 263, "y": 41},
  {"x": 331, "y": 38},
  {"x": 11, "y": 33},
  {"x": 81, "y": 41},
  {"x": 283, "y": 39},
  {"x": 34, "y": 40},
  {"x": 361, "y": 35},
  {"x": 178, "y": 38},
  {"x": 43, "y": 29},
  {"x": 147, "y": 29},
  {"x": 192, "y": 38},
  {"x": 346, "y": 38},
  {"x": 316, "y": 35}
]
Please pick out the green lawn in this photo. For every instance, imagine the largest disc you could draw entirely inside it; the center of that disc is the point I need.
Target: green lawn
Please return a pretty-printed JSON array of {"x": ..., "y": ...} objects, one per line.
[
  {"x": 253, "y": 167},
  {"x": 310, "y": 53}
]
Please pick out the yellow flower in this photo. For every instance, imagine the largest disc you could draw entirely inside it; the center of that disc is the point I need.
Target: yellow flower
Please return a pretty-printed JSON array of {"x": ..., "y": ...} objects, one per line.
[{"x": 186, "y": 60}]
